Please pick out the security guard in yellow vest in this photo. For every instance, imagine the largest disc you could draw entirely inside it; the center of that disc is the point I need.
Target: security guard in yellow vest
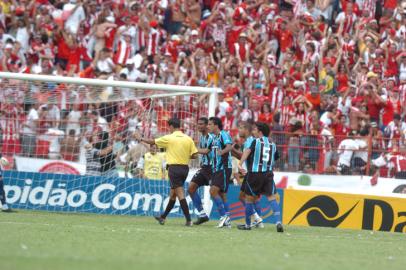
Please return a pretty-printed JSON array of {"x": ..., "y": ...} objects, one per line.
[{"x": 152, "y": 164}]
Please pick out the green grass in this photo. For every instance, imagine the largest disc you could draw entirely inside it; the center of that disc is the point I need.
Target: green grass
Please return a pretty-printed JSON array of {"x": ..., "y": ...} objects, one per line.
[{"x": 40, "y": 240}]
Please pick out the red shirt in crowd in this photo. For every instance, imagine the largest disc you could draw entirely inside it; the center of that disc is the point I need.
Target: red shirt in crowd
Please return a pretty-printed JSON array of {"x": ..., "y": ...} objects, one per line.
[
  {"x": 162, "y": 119},
  {"x": 373, "y": 109},
  {"x": 285, "y": 39},
  {"x": 314, "y": 100},
  {"x": 390, "y": 4},
  {"x": 230, "y": 93},
  {"x": 260, "y": 98},
  {"x": 109, "y": 37},
  {"x": 341, "y": 131},
  {"x": 388, "y": 112},
  {"x": 392, "y": 67},
  {"x": 63, "y": 48},
  {"x": 265, "y": 117},
  {"x": 74, "y": 59},
  {"x": 342, "y": 79}
]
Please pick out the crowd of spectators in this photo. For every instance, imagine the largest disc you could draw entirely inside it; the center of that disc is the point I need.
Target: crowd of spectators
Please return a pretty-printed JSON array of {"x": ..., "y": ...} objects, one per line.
[{"x": 329, "y": 76}]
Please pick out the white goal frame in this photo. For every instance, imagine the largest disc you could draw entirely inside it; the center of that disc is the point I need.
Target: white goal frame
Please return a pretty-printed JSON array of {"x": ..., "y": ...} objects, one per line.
[{"x": 172, "y": 90}]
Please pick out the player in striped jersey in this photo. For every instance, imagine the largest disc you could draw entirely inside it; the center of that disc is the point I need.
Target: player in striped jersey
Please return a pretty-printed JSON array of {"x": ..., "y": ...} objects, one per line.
[
  {"x": 203, "y": 176},
  {"x": 222, "y": 168},
  {"x": 245, "y": 132},
  {"x": 260, "y": 157}
]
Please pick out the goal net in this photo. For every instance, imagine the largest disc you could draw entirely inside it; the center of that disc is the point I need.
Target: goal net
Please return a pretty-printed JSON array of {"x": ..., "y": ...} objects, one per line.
[{"x": 70, "y": 146}]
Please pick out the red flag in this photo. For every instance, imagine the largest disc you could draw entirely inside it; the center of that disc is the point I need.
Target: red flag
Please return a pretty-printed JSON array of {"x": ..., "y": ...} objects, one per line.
[
  {"x": 283, "y": 183},
  {"x": 374, "y": 179}
]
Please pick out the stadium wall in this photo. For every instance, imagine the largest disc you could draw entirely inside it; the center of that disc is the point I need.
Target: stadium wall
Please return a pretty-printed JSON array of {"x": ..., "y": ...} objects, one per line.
[
  {"x": 121, "y": 196},
  {"x": 356, "y": 184}
]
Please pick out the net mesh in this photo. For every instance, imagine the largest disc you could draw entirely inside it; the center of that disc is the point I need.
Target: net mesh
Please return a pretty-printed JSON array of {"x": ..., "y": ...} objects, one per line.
[{"x": 72, "y": 146}]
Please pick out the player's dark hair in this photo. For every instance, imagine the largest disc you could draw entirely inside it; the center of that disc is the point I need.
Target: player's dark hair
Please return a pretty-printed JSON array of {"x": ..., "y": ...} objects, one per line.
[
  {"x": 217, "y": 122},
  {"x": 264, "y": 128},
  {"x": 246, "y": 125},
  {"x": 205, "y": 120},
  {"x": 174, "y": 122}
]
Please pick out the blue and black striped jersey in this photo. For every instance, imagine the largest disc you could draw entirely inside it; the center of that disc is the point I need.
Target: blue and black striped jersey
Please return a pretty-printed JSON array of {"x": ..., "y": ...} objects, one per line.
[
  {"x": 263, "y": 155},
  {"x": 205, "y": 142},
  {"x": 219, "y": 143},
  {"x": 247, "y": 143}
]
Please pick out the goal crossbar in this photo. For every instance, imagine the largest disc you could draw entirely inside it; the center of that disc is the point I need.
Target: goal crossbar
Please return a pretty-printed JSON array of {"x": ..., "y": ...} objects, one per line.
[{"x": 171, "y": 90}]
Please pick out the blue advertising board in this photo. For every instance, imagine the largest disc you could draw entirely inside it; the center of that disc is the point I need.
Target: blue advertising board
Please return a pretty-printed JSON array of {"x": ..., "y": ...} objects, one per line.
[{"x": 90, "y": 194}]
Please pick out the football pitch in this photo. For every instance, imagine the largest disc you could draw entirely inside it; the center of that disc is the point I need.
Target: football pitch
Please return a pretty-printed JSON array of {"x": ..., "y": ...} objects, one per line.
[{"x": 41, "y": 240}]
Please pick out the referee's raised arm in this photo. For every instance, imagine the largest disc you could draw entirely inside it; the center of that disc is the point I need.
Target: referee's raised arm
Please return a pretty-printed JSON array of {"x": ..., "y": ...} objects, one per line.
[{"x": 180, "y": 148}]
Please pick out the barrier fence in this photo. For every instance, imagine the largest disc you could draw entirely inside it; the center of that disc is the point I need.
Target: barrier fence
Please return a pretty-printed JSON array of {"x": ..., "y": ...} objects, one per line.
[
  {"x": 318, "y": 153},
  {"x": 324, "y": 153}
]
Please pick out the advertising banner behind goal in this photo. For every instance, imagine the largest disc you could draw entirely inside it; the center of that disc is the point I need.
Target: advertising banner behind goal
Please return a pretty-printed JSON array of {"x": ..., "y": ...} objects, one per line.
[
  {"x": 121, "y": 196},
  {"x": 340, "y": 210}
]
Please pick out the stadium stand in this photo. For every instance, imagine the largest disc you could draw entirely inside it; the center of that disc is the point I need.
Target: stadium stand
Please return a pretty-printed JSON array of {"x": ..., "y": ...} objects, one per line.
[{"x": 329, "y": 76}]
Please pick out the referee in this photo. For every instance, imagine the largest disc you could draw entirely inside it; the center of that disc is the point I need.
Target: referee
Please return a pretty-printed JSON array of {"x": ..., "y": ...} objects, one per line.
[{"x": 180, "y": 148}]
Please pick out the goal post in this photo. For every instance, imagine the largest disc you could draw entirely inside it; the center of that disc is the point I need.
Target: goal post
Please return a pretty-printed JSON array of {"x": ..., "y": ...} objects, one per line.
[{"x": 47, "y": 122}]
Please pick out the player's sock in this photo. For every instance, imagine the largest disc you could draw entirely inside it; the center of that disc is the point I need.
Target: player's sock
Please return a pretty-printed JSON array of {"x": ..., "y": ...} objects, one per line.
[
  {"x": 197, "y": 202},
  {"x": 169, "y": 207},
  {"x": 276, "y": 210},
  {"x": 258, "y": 210},
  {"x": 249, "y": 210},
  {"x": 185, "y": 209},
  {"x": 227, "y": 208},
  {"x": 2, "y": 193},
  {"x": 220, "y": 205}
]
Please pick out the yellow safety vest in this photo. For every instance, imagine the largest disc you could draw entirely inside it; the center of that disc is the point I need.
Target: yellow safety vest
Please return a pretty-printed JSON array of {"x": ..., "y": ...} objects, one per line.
[{"x": 153, "y": 166}]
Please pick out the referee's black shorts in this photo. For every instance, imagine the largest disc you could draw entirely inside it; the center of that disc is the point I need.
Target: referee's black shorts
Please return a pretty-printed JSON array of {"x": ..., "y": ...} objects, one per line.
[
  {"x": 203, "y": 176},
  {"x": 221, "y": 179},
  {"x": 177, "y": 175},
  {"x": 260, "y": 183}
]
